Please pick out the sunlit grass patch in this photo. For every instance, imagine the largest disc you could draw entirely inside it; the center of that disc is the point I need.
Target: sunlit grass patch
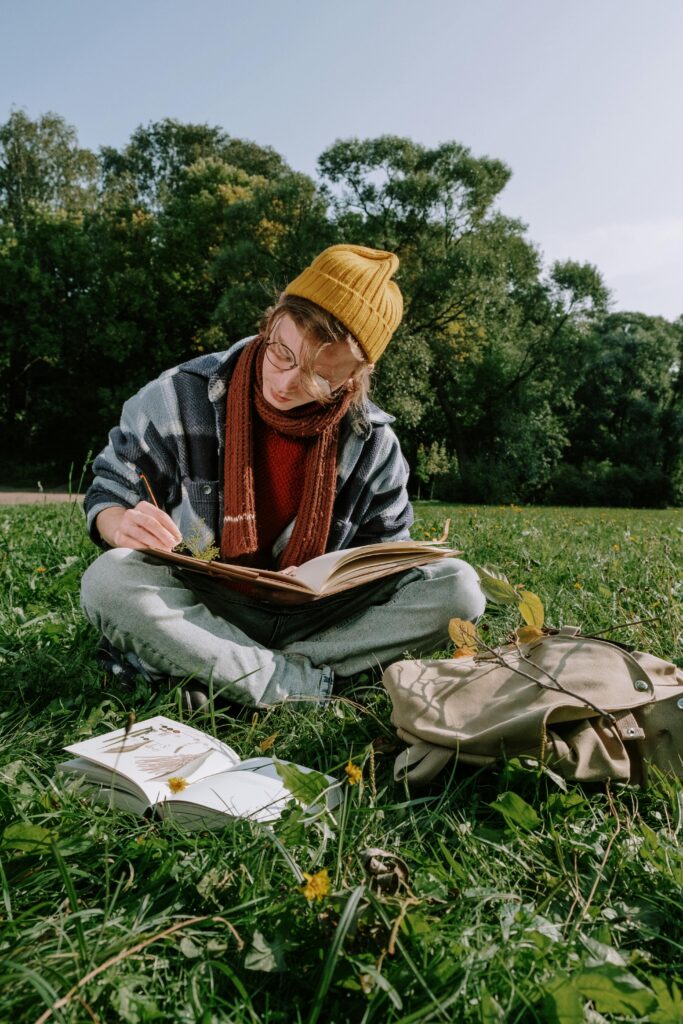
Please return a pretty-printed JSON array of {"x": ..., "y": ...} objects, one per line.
[{"x": 522, "y": 899}]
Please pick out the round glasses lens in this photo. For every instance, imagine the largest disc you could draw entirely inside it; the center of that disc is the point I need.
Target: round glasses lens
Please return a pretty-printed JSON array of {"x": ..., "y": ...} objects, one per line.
[
  {"x": 280, "y": 356},
  {"x": 324, "y": 385}
]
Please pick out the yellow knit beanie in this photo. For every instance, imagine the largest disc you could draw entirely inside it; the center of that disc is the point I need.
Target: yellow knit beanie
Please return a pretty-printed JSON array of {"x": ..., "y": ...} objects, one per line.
[{"x": 353, "y": 284}]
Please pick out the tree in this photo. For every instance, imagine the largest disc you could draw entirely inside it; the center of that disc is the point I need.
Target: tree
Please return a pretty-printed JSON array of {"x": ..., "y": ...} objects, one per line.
[
  {"x": 431, "y": 462},
  {"x": 486, "y": 356},
  {"x": 626, "y": 430},
  {"x": 43, "y": 171}
]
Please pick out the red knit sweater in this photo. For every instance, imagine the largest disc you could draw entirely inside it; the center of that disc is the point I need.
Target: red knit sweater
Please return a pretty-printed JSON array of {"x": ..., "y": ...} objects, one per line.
[{"x": 279, "y": 479}]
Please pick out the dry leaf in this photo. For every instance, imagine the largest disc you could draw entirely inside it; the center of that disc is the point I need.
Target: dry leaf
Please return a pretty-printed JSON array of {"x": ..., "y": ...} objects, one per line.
[
  {"x": 463, "y": 633},
  {"x": 531, "y": 608},
  {"x": 464, "y": 652},
  {"x": 387, "y": 871},
  {"x": 527, "y": 634},
  {"x": 267, "y": 743}
]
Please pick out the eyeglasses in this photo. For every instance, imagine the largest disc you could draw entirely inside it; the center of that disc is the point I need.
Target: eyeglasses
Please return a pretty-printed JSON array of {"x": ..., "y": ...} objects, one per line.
[{"x": 282, "y": 358}]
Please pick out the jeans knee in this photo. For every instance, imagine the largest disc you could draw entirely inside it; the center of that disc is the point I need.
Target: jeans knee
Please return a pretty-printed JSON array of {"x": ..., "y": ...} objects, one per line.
[
  {"x": 466, "y": 599},
  {"x": 100, "y": 582}
]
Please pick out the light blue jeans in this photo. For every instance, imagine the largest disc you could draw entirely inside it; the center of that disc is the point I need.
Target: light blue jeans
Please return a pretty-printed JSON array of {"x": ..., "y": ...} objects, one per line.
[{"x": 259, "y": 653}]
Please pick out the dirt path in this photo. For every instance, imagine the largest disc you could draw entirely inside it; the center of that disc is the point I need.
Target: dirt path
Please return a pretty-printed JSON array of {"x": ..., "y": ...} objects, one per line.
[{"x": 12, "y": 496}]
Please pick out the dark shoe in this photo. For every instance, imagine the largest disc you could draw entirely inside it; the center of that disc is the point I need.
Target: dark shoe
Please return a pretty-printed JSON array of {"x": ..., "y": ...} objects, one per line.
[
  {"x": 195, "y": 696},
  {"x": 125, "y": 669}
]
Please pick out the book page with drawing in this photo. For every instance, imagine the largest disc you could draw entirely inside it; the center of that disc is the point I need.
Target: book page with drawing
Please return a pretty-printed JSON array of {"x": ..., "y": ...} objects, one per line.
[
  {"x": 184, "y": 773},
  {"x": 152, "y": 752}
]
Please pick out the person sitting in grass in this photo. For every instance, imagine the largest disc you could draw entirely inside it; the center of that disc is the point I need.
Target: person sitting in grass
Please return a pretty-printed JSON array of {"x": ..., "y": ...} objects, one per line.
[{"x": 274, "y": 452}]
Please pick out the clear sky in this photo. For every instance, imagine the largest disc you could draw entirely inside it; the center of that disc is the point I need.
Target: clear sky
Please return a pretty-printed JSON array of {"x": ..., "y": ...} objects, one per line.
[{"x": 582, "y": 100}]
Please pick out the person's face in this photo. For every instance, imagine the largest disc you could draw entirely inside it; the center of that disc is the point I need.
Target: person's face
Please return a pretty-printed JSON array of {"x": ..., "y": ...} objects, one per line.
[{"x": 283, "y": 388}]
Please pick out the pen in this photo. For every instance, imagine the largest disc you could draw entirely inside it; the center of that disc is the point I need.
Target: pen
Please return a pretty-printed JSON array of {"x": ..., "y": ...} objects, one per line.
[{"x": 148, "y": 487}]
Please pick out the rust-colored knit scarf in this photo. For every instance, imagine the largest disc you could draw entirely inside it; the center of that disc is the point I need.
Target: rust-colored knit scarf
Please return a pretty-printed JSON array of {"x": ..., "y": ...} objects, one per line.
[{"x": 245, "y": 399}]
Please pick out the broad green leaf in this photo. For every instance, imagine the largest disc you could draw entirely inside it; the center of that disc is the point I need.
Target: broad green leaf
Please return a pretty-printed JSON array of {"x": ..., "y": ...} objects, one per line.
[
  {"x": 463, "y": 633},
  {"x": 563, "y": 1003},
  {"x": 265, "y": 955},
  {"x": 304, "y": 786},
  {"x": 189, "y": 948},
  {"x": 516, "y": 811},
  {"x": 490, "y": 1009},
  {"x": 26, "y": 837},
  {"x": 531, "y": 608},
  {"x": 669, "y": 1003},
  {"x": 496, "y": 588},
  {"x": 613, "y": 990}
]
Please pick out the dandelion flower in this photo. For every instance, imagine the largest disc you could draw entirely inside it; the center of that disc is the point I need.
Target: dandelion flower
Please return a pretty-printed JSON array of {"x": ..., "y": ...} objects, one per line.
[
  {"x": 41, "y": 568},
  {"x": 317, "y": 885},
  {"x": 354, "y": 773},
  {"x": 177, "y": 784},
  {"x": 578, "y": 586}
]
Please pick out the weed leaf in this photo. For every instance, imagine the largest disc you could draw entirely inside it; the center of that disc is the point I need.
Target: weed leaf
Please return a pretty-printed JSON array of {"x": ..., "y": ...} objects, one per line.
[
  {"x": 304, "y": 786},
  {"x": 531, "y": 608},
  {"x": 496, "y": 587},
  {"x": 265, "y": 955},
  {"x": 26, "y": 838},
  {"x": 516, "y": 811},
  {"x": 613, "y": 990}
]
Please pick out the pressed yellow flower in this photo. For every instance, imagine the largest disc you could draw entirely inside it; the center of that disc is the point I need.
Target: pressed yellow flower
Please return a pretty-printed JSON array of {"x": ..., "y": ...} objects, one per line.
[
  {"x": 354, "y": 773},
  {"x": 177, "y": 784},
  {"x": 317, "y": 885}
]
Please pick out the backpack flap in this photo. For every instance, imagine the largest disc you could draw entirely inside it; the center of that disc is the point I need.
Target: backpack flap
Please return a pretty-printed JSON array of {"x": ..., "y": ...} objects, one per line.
[{"x": 484, "y": 707}]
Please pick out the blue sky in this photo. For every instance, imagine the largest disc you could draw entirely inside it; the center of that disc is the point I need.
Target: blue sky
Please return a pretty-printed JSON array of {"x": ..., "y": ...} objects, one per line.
[{"x": 583, "y": 100}]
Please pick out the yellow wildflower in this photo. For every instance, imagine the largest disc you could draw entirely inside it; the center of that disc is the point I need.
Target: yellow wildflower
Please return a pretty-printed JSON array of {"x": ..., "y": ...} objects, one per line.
[
  {"x": 41, "y": 568},
  {"x": 578, "y": 586},
  {"x": 354, "y": 773},
  {"x": 177, "y": 784},
  {"x": 317, "y": 885}
]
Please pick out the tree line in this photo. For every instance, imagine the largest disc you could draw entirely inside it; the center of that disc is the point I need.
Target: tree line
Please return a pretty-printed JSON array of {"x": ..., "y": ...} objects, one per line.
[{"x": 508, "y": 383}]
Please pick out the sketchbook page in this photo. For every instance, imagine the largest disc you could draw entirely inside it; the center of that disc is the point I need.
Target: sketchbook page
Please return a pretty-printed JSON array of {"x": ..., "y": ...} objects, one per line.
[
  {"x": 103, "y": 787},
  {"x": 230, "y": 794},
  {"x": 154, "y": 751},
  {"x": 104, "y": 780},
  {"x": 333, "y": 566}
]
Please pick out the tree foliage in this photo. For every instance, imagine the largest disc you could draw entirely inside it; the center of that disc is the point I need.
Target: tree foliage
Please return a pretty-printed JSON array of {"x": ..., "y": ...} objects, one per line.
[{"x": 508, "y": 383}]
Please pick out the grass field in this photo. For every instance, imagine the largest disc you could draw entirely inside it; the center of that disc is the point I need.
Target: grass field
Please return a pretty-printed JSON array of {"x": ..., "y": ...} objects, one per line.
[{"x": 567, "y": 907}]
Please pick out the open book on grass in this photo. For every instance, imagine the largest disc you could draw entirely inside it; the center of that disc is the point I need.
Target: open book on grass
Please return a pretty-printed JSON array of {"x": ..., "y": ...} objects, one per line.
[
  {"x": 322, "y": 576},
  {"x": 180, "y": 772}
]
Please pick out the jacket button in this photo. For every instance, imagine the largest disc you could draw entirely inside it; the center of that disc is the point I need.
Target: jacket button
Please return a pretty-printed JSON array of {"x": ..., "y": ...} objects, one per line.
[
  {"x": 207, "y": 488},
  {"x": 641, "y": 685}
]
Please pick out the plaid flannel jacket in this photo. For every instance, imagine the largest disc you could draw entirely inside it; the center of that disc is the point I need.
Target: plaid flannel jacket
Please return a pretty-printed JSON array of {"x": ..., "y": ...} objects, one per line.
[{"x": 173, "y": 430}]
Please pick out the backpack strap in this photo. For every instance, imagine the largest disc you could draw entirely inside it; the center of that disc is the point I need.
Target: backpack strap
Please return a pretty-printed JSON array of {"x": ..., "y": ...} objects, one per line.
[{"x": 420, "y": 762}]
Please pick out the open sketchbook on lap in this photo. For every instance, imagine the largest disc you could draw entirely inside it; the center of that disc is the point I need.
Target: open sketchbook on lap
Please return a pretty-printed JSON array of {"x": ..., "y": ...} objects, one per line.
[
  {"x": 180, "y": 772},
  {"x": 323, "y": 576}
]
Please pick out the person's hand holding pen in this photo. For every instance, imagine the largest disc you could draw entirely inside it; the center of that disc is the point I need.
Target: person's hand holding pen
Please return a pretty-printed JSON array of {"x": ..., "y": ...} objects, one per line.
[{"x": 144, "y": 526}]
